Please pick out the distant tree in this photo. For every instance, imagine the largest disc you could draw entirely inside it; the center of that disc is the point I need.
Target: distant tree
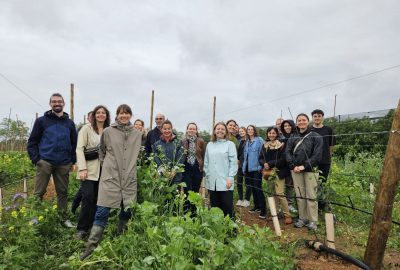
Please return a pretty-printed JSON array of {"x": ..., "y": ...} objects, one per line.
[
  {"x": 375, "y": 139},
  {"x": 205, "y": 135},
  {"x": 13, "y": 134}
]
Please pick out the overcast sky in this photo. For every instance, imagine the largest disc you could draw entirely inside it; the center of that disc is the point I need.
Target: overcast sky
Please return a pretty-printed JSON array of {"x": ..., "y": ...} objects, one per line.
[{"x": 249, "y": 54}]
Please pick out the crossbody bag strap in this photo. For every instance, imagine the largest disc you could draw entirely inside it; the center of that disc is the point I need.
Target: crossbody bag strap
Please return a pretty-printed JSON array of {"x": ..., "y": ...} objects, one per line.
[{"x": 298, "y": 144}]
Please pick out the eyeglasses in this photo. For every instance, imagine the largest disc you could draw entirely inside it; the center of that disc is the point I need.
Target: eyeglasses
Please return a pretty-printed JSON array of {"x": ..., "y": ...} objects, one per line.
[
  {"x": 57, "y": 101},
  {"x": 159, "y": 118}
]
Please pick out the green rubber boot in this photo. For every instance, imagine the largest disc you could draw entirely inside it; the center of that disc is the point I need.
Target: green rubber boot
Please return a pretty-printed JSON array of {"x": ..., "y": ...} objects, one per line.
[{"x": 94, "y": 239}]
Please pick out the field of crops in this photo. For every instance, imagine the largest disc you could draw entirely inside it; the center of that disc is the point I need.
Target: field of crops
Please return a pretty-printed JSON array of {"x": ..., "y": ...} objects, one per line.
[{"x": 162, "y": 236}]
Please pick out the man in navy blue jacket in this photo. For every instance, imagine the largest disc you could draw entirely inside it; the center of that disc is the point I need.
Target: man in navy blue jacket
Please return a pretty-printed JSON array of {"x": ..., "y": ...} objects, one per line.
[{"x": 51, "y": 147}]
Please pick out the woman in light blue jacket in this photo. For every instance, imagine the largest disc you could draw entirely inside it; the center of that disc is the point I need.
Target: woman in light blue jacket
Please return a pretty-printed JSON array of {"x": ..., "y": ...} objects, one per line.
[
  {"x": 220, "y": 168},
  {"x": 252, "y": 170}
]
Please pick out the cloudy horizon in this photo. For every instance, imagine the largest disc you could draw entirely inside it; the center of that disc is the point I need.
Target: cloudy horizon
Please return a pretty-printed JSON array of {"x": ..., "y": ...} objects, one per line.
[{"x": 250, "y": 56}]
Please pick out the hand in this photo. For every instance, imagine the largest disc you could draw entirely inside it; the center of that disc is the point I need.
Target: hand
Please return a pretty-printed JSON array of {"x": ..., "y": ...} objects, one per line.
[
  {"x": 228, "y": 184},
  {"x": 83, "y": 175},
  {"x": 73, "y": 168},
  {"x": 266, "y": 166}
]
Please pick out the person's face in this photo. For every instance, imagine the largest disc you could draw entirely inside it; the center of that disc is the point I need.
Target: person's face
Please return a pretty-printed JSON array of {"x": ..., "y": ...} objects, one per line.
[
  {"x": 159, "y": 119},
  {"x": 318, "y": 118},
  {"x": 302, "y": 122},
  {"x": 191, "y": 130},
  {"x": 138, "y": 125},
  {"x": 231, "y": 127},
  {"x": 220, "y": 131},
  {"x": 242, "y": 132},
  {"x": 272, "y": 135},
  {"x": 278, "y": 122},
  {"x": 57, "y": 104},
  {"x": 101, "y": 115},
  {"x": 124, "y": 117},
  {"x": 287, "y": 127},
  {"x": 250, "y": 131},
  {"x": 166, "y": 130}
]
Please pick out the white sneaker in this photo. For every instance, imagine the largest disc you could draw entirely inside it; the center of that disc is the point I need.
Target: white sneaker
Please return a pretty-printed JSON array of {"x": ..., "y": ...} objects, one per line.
[
  {"x": 69, "y": 224},
  {"x": 239, "y": 203},
  {"x": 245, "y": 203}
]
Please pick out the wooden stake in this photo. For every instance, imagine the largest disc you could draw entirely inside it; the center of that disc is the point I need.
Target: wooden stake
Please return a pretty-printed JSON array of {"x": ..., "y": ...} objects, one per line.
[
  {"x": 272, "y": 207},
  {"x": 151, "y": 109},
  {"x": 25, "y": 188},
  {"x": 1, "y": 199},
  {"x": 388, "y": 183},
  {"x": 371, "y": 186},
  {"x": 334, "y": 108},
  {"x": 330, "y": 230},
  {"x": 37, "y": 115},
  {"x": 71, "y": 115},
  {"x": 213, "y": 117}
]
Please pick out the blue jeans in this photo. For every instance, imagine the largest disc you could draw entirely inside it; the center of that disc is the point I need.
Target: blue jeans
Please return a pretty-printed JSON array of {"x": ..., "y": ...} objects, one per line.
[{"x": 102, "y": 214}]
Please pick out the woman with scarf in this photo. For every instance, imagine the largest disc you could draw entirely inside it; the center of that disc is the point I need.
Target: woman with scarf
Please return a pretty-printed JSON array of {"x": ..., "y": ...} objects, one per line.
[
  {"x": 272, "y": 157},
  {"x": 303, "y": 152},
  {"x": 119, "y": 148}
]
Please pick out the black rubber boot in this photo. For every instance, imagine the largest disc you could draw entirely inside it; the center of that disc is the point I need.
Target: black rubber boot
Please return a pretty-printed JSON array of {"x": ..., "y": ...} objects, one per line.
[
  {"x": 122, "y": 226},
  {"x": 94, "y": 239}
]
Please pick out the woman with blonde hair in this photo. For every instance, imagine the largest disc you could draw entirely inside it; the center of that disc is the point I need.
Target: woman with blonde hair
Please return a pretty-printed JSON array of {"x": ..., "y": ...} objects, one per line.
[{"x": 220, "y": 168}]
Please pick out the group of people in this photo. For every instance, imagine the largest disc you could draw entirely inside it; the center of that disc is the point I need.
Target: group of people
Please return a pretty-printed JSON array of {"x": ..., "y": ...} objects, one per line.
[{"x": 105, "y": 154}]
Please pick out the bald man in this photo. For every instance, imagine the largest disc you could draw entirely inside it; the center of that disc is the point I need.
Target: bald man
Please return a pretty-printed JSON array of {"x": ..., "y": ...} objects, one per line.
[{"x": 155, "y": 133}]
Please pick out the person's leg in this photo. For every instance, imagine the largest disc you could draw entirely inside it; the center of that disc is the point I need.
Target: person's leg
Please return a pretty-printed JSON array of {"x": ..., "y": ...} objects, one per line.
[
  {"x": 239, "y": 185},
  {"x": 43, "y": 173},
  {"x": 258, "y": 192},
  {"x": 197, "y": 177},
  {"x": 249, "y": 187},
  {"x": 61, "y": 180},
  {"x": 101, "y": 216},
  {"x": 299, "y": 187},
  {"x": 324, "y": 168},
  {"x": 311, "y": 186},
  {"x": 226, "y": 198},
  {"x": 280, "y": 195},
  {"x": 88, "y": 207},
  {"x": 77, "y": 199},
  {"x": 213, "y": 198},
  {"x": 289, "y": 190}
]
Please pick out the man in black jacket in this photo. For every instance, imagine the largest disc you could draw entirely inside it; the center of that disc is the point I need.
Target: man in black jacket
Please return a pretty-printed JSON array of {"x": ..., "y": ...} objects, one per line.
[{"x": 154, "y": 134}]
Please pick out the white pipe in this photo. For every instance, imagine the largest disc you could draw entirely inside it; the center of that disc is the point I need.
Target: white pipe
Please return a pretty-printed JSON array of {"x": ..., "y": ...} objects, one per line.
[
  {"x": 25, "y": 188},
  {"x": 271, "y": 203},
  {"x": 330, "y": 230}
]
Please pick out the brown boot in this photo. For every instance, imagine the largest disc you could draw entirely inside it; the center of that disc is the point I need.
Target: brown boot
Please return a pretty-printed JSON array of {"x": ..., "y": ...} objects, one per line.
[{"x": 288, "y": 220}]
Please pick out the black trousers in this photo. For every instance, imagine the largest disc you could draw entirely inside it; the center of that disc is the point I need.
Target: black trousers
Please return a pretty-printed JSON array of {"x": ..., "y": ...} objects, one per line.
[
  {"x": 192, "y": 177},
  {"x": 222, "y": 200},
  {"x": 240, "y": 184},
  {"x": 254, "y": 181},
  {"x": 324, "y": 168},
  {"x": 89, "y": 190}
]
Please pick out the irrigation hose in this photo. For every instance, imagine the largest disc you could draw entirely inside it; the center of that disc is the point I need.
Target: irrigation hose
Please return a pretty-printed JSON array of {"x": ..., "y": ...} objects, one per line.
[{"x": 318, "y": 246}]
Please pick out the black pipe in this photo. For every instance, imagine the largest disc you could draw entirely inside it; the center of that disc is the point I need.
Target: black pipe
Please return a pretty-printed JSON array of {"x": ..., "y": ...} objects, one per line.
[{"x": 318, "y": 246}]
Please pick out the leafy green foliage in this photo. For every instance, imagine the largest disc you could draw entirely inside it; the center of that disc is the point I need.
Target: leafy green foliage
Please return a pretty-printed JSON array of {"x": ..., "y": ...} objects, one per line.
[{"x": 14, "y": 166}]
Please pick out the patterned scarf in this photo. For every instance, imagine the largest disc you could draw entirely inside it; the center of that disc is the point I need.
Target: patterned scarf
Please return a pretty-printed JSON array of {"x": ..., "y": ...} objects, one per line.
[{"x": 191, "y": 155}]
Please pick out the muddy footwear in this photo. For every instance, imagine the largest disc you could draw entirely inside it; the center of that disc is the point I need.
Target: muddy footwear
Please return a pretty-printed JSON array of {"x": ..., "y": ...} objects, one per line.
[
  {"x": 122, "y": 226},
  {"x": 80, "y": 235},
  {"x": 94, "y": 238}
]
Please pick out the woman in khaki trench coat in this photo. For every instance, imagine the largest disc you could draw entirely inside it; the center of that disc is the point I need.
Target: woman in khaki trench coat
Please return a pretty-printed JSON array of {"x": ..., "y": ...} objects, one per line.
[{"x": 119, "y": 149}]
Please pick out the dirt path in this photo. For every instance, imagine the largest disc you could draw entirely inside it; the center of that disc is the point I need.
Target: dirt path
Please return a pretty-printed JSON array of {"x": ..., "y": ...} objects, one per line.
[{"x": 309, "y": 259}]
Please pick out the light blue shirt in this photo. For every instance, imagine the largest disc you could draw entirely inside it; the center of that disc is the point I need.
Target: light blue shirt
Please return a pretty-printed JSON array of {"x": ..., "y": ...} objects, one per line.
[{"x": 220, "y": 164}]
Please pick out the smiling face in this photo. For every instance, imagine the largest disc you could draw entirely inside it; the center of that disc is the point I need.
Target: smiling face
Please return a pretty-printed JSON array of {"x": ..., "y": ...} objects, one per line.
[
  {"x": 166, "y": 130},
  {"x": 124, "y": 117},
  {"x": 160, "y": 118},
  {"x": 191, "y": 130},
  {"x": 220, "y": 131},
  {"x": 231, "y": 127},
  {"x": 242, "y": 133},
  {"x": 250, "y": 131},
  {"x": 287, "y": 127},
  {"x": 57, "y": 104},
  {"x": 138, "y": 125},
  {"x": 100, "y": 115},
  {"x": 302, "y": 122},
  {"x": 318, "y": 119},
  {"x": 272, "y": 135}
]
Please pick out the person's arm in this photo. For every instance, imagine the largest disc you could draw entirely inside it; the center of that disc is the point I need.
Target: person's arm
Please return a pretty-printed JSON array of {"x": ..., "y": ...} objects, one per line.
[
  {"x": 103, "y": 146},
  {"x": 80, "y": 156},
  {"x": 147, "y": 144},
  {"x": 74, "y": 140},
  {"x": 206, "y": 160},
  {"x": 233, "y": 166},
  {"x": 289, "y": 153},
  {"x": 34, "y": 140},
  {"x": 316, "y": 155}
]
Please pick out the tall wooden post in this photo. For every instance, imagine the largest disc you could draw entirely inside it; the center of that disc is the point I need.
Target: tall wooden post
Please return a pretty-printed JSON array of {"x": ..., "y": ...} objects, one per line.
[
  {"x": 151, "y": 109},
  {"x": 37, "y": 115},
  {"x": 388, "y": 182},
  {"x": 213, "y": 117},
  {"x": 71, "y": 115},
  {"x": 334, "y": 108}
]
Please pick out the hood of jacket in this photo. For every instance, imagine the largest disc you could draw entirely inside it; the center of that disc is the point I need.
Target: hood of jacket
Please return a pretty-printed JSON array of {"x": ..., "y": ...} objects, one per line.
[{"x": 291, "y": 123}]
